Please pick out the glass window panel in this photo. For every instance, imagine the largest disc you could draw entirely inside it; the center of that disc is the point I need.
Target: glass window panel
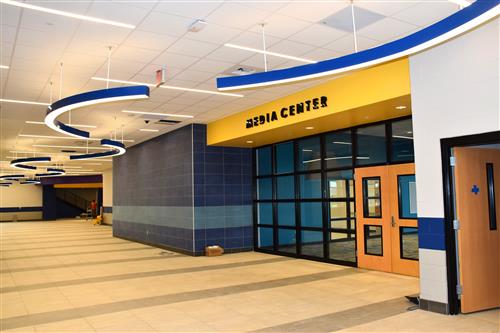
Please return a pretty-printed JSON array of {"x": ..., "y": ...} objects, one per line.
[
  {"x": 338, "y": 150},
  {"x": 285, "y": 187},
  {"x": 402, "y": 141},
  {"x": 372, "y": 203},
  {"x": 310, "y": 186},
  {"x": 284, "y": 157},
  {"x": 312, "y": 243},
  {"x": 286, "y": 213},
  {"x": 264, "y": 164},
  {"x": 339, "y": 183},
  {"x": 265, "y": 238},
  {"x": 409, "y": 243},
  {"x": 339, "y": 224},
  {"x": 371, "y": 145},
  {"x": 407, "y": 197},
  {"x": 373, "y": 240},
  {"x": 287, "y": 240},
  {"x": 309, "y": 154},
  {"x": 338, "y": 210},
  {"x": 342, "y": 247},
  {"x": 264, "y": 189},
  {"x": 265, "y": 213},
  {"x": 311, "y": 214}
]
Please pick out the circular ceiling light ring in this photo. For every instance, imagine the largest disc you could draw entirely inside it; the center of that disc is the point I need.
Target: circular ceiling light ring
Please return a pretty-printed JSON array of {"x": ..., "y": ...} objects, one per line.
[
  {"x": 117, "y": 149},
  {"x": 30, "y": 182},
  {"x": 51, "y": 172},
  {"x": 89, "y": 98},
  {"x": 20, "y": 163},
  {"x": 5, "y": 184},
  {"x": 12, "y": 177}
]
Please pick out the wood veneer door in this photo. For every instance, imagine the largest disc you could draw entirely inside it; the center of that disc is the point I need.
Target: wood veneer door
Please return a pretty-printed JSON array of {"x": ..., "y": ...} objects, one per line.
[
  {"x": 373, "y": 218},
  {"x": 478, "y": 245},
  {"x": 404, "y": 225}
]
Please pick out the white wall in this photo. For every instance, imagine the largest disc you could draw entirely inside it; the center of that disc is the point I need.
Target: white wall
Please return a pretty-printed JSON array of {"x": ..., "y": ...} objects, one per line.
[
  {"x": 107, "y": 194},
  {"x": 454, "y": 92},
  {"x": 20, "y": 196}
]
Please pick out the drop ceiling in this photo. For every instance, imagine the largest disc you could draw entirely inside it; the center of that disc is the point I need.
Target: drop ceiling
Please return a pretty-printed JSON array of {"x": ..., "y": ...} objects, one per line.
[{"x": 34, "y": 44}]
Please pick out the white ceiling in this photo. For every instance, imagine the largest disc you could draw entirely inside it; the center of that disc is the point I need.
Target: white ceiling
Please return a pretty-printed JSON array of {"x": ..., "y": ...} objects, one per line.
[{"x": 34, "y": 44}]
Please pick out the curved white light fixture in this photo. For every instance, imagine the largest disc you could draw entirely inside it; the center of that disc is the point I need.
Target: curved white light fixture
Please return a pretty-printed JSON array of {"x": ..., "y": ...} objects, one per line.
[
  {"x": 275, "y": 54},
  {"x": 452, "y": 26}
]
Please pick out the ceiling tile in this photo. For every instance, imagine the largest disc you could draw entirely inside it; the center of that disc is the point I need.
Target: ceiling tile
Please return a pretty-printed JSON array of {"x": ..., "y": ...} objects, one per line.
[
  {"x": 281, "y": 26},
  {"x": 211, "y": 66},
  {"x": 317, "y": 35},
  {"x": 291, "y": 48},
  {"x": 133, "y": 54},
  {"x": 424, "y": 14},
  {"x": 387, "y": 29},
  {"x": 386, "y": 7},
  {"x": 192, "y": 47},
  {"x": 214, "y": 33},
  {"x": 312, "y": 12},
  {"x": 254, "y": 40},
  {"x": 193, "y": 10},
  {"x": 7, "y": 34},
  {"x": 192, "y": 75},
  {"x": 175, "y": 60},
  {"x": 165, "y": 23},
  {"x": 117, "y": 11},
  {"x": 320, "y": 54},
  {"x": 345, "y": 45},
  {"x": 149, "y": 40},
  {"x": 237, "y": 16}
]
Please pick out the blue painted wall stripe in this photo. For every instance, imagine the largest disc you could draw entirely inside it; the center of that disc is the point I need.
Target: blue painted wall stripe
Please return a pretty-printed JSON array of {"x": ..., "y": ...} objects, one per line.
[{"x": 20, "y": 209}]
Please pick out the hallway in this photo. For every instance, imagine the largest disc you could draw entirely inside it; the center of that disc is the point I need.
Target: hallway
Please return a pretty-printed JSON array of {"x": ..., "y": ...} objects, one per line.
[{"x": 71, "y": 276}]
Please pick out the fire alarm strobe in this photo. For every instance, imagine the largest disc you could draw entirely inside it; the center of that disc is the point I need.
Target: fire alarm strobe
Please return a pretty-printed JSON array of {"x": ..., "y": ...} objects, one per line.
[{"x": 160, "y": 76}]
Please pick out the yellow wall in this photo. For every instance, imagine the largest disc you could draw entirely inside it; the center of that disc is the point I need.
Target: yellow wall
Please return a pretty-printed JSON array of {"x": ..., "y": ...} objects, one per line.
[{"x": 362, "y": 97}]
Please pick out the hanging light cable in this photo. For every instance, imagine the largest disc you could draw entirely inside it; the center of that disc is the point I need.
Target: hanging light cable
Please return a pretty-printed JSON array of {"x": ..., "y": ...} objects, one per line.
[
  {"x": 264, "y": 46},
  {"x": 109, "y": 66},
  {"x": 354, "y": 27}
]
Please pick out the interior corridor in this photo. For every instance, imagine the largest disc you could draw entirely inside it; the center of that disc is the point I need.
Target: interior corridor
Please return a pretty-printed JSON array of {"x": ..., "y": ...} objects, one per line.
[{"x": 72, "y": 276}]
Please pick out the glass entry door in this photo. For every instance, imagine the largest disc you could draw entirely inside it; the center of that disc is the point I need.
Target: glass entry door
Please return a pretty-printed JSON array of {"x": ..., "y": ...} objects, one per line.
[{"x": 386, "y": 215}]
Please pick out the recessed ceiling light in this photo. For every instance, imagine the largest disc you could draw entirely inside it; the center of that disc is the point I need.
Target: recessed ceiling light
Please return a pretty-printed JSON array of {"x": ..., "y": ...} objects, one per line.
[
  {"x": 461, "y": 3},
  {"x": 249, "y": 141},
  {"x": 22, "y": 102},
  {"x": 4, "y": 67},
  {"x": 400, "y": 107},
  {"x": 158, "y": 114},
  {"x": 167, "y": 87},
  {"x": 67, "y": 14},
  {"x": 63, "y": 137},
  {"x": 279, "y": 55},
  {"x": 73, "y": 125},
  {"x": 309, "y": 127},
  {"x": 148, "y": 130}
]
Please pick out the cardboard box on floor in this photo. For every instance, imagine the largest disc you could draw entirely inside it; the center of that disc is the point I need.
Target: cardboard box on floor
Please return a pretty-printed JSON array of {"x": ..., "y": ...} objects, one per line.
[{"x": 214, "y": 250}]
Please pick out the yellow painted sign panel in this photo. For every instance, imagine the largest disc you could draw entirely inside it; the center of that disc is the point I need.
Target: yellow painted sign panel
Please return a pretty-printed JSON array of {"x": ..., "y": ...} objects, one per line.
[{"x": 361, "y": 97}]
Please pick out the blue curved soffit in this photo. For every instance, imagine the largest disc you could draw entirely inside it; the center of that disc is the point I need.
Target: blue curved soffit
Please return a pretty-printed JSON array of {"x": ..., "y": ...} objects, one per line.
[
  {"x": 466, "y": 19},
  {"x": 20, "y": 163},
  {"x": 87, "y": 99},
  {"x": 117, "y": 148},
  {"x": 12, "y": 177},
  {"x": 51, "y": 172}
]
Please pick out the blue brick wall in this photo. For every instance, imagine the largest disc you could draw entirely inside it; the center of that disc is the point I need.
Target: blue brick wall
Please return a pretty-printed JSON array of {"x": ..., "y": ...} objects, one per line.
[
  {"x": 222, "y": 195},
  {"x": 431, "y": 233}
]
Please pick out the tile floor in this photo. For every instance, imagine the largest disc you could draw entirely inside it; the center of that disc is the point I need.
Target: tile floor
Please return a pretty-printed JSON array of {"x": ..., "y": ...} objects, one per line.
[{"x": 68, "y": 276}]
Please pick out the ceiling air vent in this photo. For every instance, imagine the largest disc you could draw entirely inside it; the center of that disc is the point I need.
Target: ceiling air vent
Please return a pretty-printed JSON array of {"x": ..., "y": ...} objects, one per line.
[{"x": 167, "y": 122}]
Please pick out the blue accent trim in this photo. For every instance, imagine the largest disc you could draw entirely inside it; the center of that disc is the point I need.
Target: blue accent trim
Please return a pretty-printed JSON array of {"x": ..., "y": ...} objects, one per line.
[
  {"x": 99, "y": 94},
  {"x": 11, "y": 177},
  {"x": 102, "y": 154},
  {"x": 431, "y": 233},
  {"x": 420, "y": 37},
  {"x": 72, "y": 130},
  {"x": 20, "y": 209},
  {"x": 29, "y": 160},
  {"x": 107, "y": 209}
]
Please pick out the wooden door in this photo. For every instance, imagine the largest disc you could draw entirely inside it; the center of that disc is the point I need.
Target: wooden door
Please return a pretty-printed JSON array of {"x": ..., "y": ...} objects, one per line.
[
  {"x": 478, "y": 240},
  {"x": 404, "y": 225},
  {"x": 373, "y": 218}
]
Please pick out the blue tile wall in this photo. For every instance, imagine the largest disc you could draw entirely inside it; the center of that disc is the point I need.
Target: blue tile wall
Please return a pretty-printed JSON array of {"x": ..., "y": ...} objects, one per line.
[
  {"x": 431, "y": 233},
  {"x": 222, "y": 194},
  {"x": 175, "y": 191}
]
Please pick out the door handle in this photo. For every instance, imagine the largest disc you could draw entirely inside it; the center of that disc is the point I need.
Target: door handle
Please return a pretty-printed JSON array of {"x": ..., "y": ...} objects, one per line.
[{"x": 393, "y": 223}]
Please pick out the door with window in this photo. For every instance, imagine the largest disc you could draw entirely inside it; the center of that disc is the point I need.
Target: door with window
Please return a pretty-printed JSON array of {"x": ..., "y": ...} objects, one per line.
[
  {"x": 477, "y": 175},
  {"x": 386, "y": 215}
]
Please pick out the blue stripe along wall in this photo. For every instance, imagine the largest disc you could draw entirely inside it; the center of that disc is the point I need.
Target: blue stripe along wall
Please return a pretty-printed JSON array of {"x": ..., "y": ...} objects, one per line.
[
  {"x": 176, "y": 192},
  {"x": 19, "y": 209},
  {"x": 431, "y": 233},
  {"x": 223, "y": 195}
]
